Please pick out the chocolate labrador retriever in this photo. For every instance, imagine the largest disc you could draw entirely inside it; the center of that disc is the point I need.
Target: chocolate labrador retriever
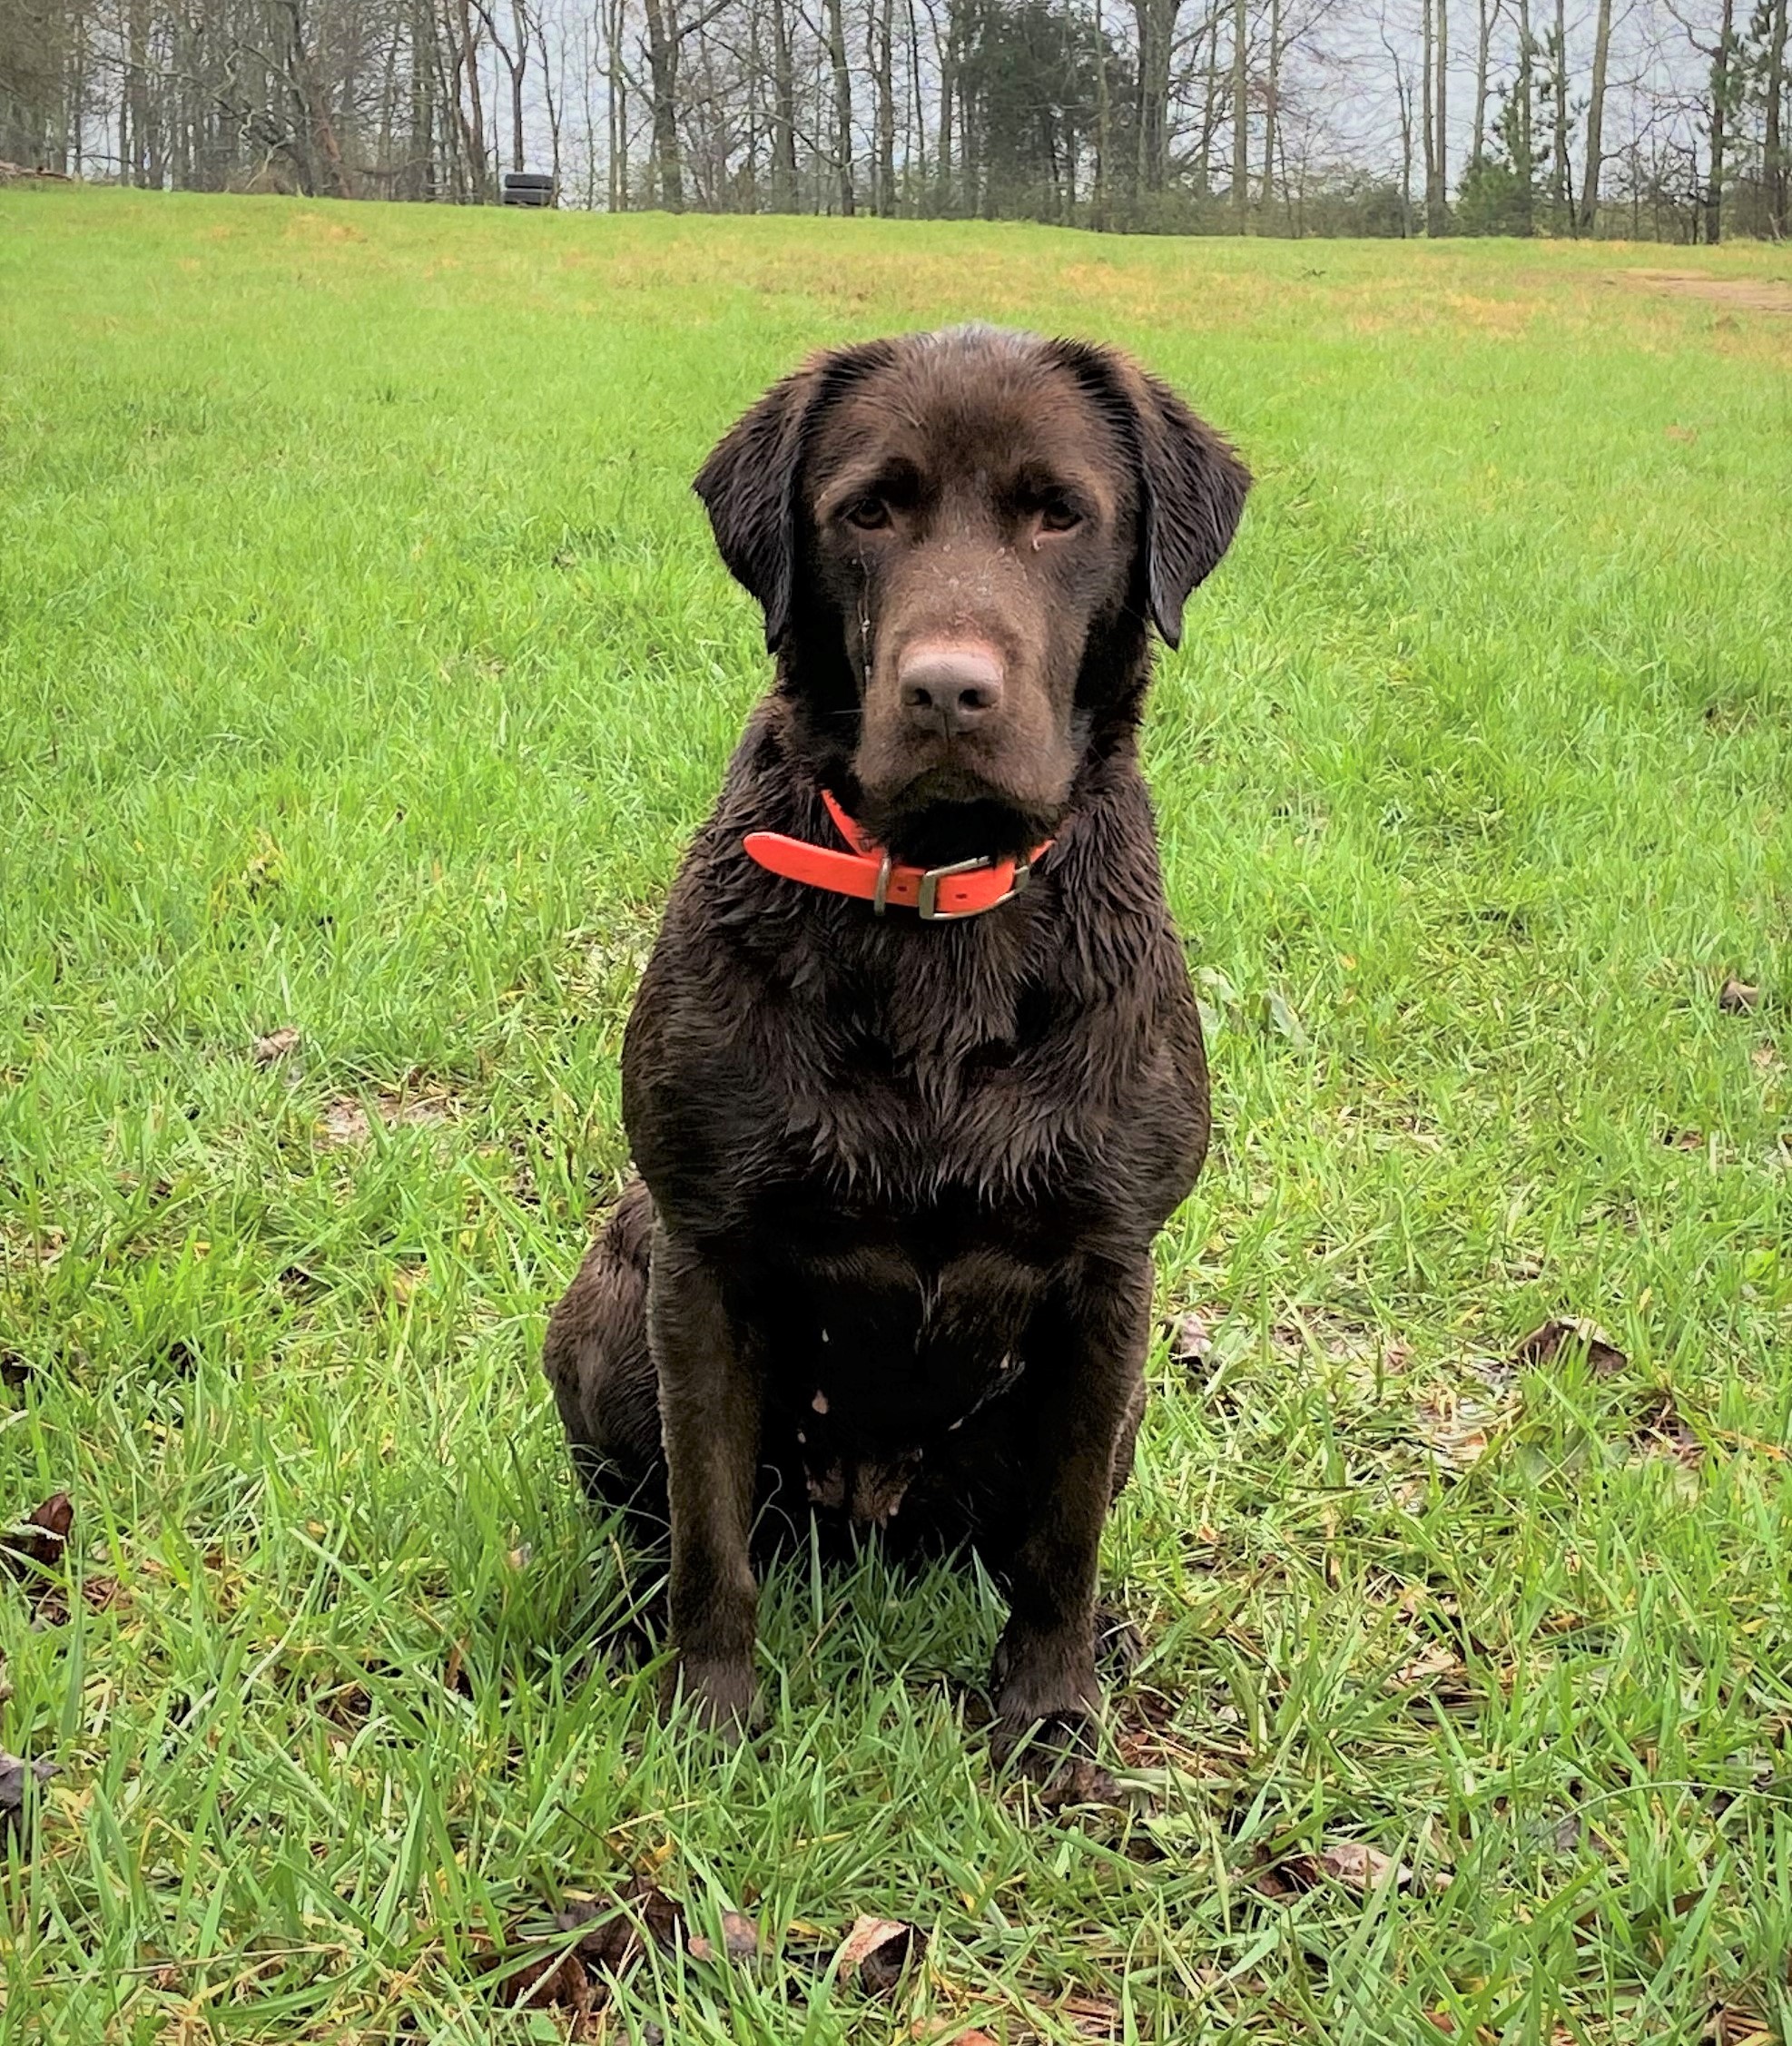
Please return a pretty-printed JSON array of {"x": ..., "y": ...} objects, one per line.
[{"x": 915, "y": 1073}]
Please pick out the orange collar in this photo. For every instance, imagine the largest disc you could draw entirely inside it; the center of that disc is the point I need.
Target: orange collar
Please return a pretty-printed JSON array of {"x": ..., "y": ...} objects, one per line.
[{"x": 940, "y": 894}]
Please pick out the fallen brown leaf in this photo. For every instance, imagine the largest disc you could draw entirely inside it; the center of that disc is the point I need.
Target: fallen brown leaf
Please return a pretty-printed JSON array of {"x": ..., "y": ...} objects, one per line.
[
  {"x": 1363, "y": 1867},
  {"x": 13, "y": 1772},
  {"x": 37, "y": 1543},
  {"x": 555, "y": 1981},
  {"x": 1191, "y": 1338},
  {"x": 345, "y": 1121},
  {"x": 1737, "y": 998},
  {"x": 879, "y": 1951},
  {"x": 1092, "y": 2017},
  {"x": 277, "y": 1045},
  {"x": 1662, "y": 1430},
  {"x": 1434, "y": 1668},
  {"x": 1543, "y": 1345},
  {"x": 740, "y": 1939},
  {"x": 612, "y": 1938},
  {"x": 1455, "y": 1428}
]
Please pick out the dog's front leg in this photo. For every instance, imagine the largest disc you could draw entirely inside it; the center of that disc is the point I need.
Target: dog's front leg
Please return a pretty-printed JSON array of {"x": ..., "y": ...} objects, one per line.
[
  {"x": 710, "y": 1415},
  {"x": 1091, "y": 1358}
]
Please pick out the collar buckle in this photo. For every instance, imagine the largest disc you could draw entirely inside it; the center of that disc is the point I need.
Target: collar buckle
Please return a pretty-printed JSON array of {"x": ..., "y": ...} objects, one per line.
[{"x": 927, "y": 904}]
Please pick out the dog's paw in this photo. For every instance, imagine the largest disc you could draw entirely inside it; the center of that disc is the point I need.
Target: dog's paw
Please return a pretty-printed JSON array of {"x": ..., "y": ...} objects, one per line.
[{"x": 718, "y": 1696}]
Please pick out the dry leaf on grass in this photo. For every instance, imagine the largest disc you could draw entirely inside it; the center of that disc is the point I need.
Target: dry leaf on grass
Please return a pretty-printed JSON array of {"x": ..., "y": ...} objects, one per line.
[
  {"x": 555, "y": 1981},
  {"x": 277, "y": 1045},
  {"x": 1092, "y": 2017},
  {"x": 1191, "y": 1338},
  {"x": 879, "y": 1951},
  {"x": 615, "y": 1928},
  {"x": 1361, "y": 1867},
  {"x": 346, "y": 1120},
  {"x": 37, "y": 1543},
  {"x": 13, "y": 1774},
  {"x": 740, "y": 1939},
  {"x": 1739, "y": 997},
  {"x": 1544, "y": 1345},
  {"x": 1436, "y": 1669},
  {"x": 1351, "y": 1863},
  {"x": 1457, "y": 1430},
  {"x": 1662, "y": 1430}
]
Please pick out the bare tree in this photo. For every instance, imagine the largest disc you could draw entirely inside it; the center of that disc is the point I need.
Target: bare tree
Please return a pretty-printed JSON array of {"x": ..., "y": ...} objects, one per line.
[{"x": 1595, "y": 142}]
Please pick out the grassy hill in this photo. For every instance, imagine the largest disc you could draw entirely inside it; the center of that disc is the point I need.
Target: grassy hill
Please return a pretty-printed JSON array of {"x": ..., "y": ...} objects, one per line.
[{"x": 363, "y": 665}]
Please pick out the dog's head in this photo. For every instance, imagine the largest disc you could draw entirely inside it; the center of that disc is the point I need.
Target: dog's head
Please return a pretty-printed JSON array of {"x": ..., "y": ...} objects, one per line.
[{"x": 958, "y": 539}]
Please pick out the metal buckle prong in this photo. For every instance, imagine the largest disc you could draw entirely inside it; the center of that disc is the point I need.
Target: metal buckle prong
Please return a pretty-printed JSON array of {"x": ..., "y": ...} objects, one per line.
[
  {"x": 927, "y": 903},
  {"x": 880, "y": 895}
]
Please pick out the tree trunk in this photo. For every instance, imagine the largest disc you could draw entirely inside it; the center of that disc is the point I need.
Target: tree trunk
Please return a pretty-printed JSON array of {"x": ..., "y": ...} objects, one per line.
[
  {"x": 1560, "y": 181},
  {"x": 1241, "y": 131},
  {"x": 1405, "y": 93},
  {"x": 1267, "y": 185},
  {"x": 1774, "y": 169},
  {"x": 914, "y": 137},
  {"x": 1427, "y": 111},
  {"x": 519, "y": 22},
  {"x": 663, "y": 80},
  {"x": 784, "y": 113},
  {"x": 843, "y": 106},
  {"x": 1488, "y": 14},
  {"x": 478, "y": 170},
  {"x": 1210, "y": 103},
  {"x": 1525, "y": 160},
  {"x": 1720, "y": 86},
  {"x": 1156, "y": 21},
  {"x": 947, "y": 46},
  {"x": 885, "y": 200},
  {"x": 1100, "y": 215},
  {"x": 1590, "y": 188},
  {"x": 1437, "y": 198}
]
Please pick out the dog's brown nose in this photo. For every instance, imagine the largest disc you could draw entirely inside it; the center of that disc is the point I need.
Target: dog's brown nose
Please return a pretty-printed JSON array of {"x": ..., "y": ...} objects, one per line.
[{"x": 950, "y": 686}]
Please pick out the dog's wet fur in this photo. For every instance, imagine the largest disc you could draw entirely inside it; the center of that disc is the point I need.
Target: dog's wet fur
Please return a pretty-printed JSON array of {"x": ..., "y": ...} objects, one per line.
[{"x": 888, "y": 1260}]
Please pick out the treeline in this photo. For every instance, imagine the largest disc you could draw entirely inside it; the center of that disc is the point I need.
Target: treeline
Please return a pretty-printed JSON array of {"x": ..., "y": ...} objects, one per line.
[{"x": 1662, "y": 118}]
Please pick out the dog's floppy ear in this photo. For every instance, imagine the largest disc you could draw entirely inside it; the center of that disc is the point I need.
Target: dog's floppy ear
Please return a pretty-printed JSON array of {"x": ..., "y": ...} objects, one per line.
[
  {"x": 1191, "y": 483},
  {"x": 749, "y": 484},
  {"x": 748, "y": 487}
]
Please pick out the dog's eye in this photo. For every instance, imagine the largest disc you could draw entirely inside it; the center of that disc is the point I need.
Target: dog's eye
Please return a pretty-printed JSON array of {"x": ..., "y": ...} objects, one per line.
[
  {"x": 869, "y": 515},
  {"x": 1057, "y": 515}
]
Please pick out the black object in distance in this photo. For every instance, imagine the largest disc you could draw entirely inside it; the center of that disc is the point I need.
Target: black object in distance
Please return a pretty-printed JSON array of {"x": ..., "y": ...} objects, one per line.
[{"x": 527, "y": 188}]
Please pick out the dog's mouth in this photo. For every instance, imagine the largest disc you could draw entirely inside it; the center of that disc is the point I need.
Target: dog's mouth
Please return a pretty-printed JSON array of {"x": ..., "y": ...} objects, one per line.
[{"x": 949, "y": 814}]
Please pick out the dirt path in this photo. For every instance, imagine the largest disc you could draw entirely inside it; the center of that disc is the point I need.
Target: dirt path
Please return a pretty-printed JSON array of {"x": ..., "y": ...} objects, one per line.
[{"x": 1741, "y": 294}]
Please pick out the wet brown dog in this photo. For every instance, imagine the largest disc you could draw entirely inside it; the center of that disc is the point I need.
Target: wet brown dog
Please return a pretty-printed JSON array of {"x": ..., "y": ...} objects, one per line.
[{"x": 889, "y": 1258}]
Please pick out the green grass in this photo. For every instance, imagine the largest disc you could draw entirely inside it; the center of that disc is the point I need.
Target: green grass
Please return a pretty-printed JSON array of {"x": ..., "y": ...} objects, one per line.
[{"x": 363, "y": 665}]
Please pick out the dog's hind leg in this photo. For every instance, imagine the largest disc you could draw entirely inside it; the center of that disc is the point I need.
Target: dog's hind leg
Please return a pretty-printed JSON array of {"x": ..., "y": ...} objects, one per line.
[{"x": 597, "y": 1360}]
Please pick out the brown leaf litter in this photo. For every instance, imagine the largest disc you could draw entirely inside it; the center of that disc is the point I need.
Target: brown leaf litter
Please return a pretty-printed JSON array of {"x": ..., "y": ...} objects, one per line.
[
  {"x": 349, "y": 1120},
  {"x": 1351, "y": 1864},
  {"x": 614, "y": 1933},
  {"x": 14, "y": 1774},
  {"x": 276, "y": 1046},
  {"x": 879, "y": 1952}
]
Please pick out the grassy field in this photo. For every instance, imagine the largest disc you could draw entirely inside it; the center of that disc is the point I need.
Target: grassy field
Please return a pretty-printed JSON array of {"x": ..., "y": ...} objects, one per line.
[{"x": 363, "y": 665}]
